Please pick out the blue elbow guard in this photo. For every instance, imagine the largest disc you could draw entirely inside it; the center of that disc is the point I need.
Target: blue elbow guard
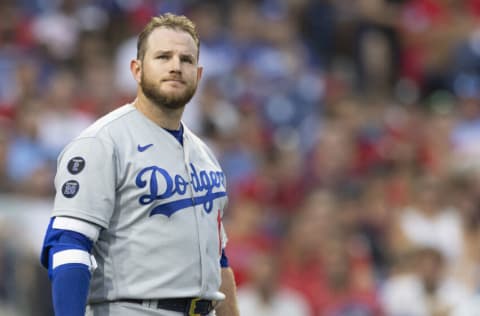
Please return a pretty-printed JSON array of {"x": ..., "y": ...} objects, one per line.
[
  {"x": 66, "y": 255},
  {"x": 70, "y": 289}
]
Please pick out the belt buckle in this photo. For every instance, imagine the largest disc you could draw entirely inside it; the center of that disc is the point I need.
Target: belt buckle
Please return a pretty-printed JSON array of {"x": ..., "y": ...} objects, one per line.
[{"x": 193, "y": 307}]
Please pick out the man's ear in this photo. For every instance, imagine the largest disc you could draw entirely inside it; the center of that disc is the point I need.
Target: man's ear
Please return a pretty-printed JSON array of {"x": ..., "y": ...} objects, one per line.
[
  {"x": 199, "y": 73},
  {"x": 136, "y": 69}
]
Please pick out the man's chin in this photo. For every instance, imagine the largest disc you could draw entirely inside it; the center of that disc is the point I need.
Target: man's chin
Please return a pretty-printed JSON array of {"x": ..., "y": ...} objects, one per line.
[
  {"x": 174, "y": 104},
  {"x": 173, "y": 94},
  {"x": 170, "y": 102},
  {"x": 171, "y": 98}
]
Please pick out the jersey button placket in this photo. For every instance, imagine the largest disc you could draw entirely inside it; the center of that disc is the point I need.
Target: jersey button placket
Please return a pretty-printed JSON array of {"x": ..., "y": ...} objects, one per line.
[{"x": 195, "y": 213}]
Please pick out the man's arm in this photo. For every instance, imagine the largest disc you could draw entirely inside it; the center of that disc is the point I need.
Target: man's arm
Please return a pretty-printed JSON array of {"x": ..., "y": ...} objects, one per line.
[
  {"x": 229, "y": 306},
  {"x": 66, "y": 254}
]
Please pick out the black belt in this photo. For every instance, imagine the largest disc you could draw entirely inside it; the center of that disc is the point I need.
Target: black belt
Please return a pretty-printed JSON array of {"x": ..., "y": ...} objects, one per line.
[{"x": 188, "y": 306}]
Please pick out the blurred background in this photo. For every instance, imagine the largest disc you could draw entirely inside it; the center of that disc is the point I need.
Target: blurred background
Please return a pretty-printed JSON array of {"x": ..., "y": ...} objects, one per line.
[{"x": 349, "y": 131}]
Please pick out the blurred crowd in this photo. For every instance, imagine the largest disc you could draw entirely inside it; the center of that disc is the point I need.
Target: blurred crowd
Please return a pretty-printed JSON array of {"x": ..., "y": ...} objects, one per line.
[{"x": 348, "y": 130}]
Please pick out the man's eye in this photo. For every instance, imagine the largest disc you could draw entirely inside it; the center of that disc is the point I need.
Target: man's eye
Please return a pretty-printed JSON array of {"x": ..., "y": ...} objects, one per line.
[
  {"x": 187, "y": 60},
  {"x": 162, "y": 57}
]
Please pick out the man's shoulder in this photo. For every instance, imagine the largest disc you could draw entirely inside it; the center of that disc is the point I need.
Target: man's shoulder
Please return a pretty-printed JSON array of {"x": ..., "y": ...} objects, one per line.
[
  {"x": 103, "y": 134},
  {"x": 108, "y": 123},
  {"x": 194, "y": 138},
  {"x": 199, "y": 144}
]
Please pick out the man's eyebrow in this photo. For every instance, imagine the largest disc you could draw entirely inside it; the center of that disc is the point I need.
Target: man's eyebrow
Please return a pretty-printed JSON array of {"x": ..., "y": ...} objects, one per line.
[
  {"x": 158, "y": 52},
  {"x": 188, "y": 55}
]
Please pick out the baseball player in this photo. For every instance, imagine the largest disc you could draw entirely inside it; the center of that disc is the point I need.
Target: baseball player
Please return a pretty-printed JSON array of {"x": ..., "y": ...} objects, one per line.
[{"x": 137, "y": 222}]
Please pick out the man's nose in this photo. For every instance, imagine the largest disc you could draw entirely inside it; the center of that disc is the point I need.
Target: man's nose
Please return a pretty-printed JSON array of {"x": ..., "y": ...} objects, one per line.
[{"x": 175, "y": 64}]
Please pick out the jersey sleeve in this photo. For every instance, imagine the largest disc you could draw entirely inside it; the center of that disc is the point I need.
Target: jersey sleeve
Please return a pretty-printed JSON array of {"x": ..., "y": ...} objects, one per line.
[{"x": 86, "y": 180}]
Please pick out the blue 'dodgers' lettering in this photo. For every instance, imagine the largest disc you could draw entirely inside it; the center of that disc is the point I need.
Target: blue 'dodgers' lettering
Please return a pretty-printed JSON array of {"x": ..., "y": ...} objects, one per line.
[{"x": 202, "y": 182}]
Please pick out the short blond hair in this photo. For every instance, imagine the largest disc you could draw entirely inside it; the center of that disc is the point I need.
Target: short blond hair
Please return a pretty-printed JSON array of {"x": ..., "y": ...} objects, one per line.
[{"x": 170, "y": 21}]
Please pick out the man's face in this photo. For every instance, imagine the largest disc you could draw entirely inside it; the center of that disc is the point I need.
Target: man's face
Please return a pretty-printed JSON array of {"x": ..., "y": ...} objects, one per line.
[{"x": 169, "y": 68}]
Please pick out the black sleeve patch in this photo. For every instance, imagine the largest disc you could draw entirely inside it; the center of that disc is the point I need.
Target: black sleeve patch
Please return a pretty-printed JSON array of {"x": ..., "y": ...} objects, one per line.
[
  {"x": 76, "y": 165},
  {"x": 70, "y": 188}
]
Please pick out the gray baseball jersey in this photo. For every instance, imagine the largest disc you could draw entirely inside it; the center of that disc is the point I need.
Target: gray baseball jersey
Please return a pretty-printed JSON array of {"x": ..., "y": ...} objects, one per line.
[{"x": 159, "y": 204}]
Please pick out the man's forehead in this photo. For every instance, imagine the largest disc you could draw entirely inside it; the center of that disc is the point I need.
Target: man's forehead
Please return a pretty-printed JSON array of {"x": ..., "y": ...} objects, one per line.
[{"x": 166, "y": 39}]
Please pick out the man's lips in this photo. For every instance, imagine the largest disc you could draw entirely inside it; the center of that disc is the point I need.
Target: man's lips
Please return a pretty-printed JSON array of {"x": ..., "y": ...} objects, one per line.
[{"x": 174, "y": 80}]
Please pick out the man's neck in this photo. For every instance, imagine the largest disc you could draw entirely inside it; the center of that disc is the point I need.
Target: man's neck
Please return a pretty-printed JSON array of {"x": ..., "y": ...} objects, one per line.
[{"x": 163, "y": 117}]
